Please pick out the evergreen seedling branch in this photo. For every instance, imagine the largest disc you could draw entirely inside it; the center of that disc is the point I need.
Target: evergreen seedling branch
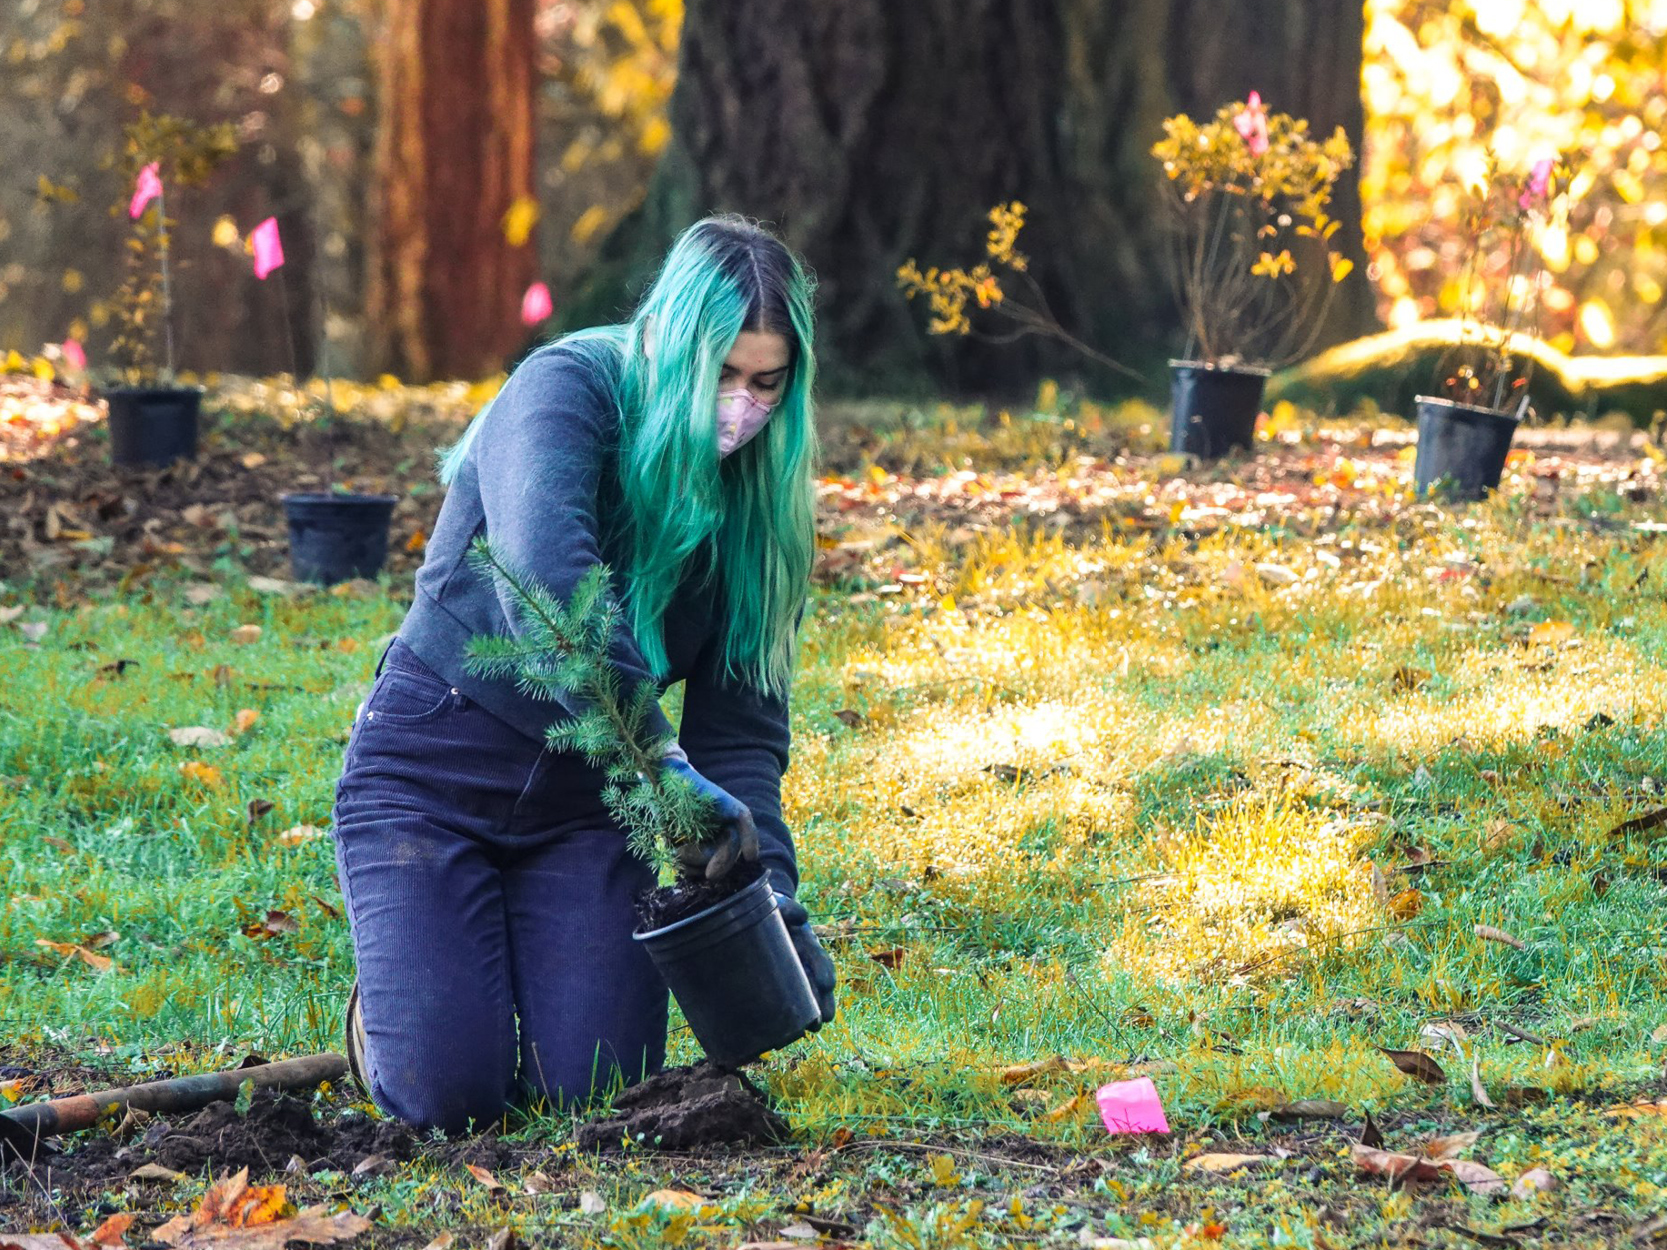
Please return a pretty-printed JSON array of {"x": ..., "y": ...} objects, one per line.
[{"x": 562, "y": 655}]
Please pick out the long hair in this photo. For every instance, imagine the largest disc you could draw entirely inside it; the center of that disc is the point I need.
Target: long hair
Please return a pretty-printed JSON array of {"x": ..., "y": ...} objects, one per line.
[{"x": 753, "y": 511}]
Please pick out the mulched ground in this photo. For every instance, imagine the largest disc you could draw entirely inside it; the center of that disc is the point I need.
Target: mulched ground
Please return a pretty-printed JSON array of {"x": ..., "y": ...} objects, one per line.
[{"x": 72, "y": 517}]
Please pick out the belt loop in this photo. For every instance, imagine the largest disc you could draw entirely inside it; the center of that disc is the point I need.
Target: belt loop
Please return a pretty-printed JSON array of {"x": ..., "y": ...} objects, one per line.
[{"x": 383, "y": 658}]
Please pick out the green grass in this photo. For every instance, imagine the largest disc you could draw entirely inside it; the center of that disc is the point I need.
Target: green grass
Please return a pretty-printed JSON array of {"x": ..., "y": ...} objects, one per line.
[{"x": 1122, "y": 798}]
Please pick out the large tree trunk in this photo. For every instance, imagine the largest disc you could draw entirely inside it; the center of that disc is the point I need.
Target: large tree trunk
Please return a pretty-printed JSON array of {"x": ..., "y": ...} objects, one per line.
[
  {"x": 455, "y": 151},
  {"x": 870, "y": 132}
]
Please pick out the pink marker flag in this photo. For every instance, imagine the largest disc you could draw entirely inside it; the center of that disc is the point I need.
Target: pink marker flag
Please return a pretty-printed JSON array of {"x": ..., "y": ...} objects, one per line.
[
  {"x": 1132, "y": 1107},
  {"x": 74, "y": 356},
  {"x": 269, "y": 251},
  {"x": 536, "y": 304},
  {"x": 1252, "y": 124},
  {"x": 146, "y": 189}
]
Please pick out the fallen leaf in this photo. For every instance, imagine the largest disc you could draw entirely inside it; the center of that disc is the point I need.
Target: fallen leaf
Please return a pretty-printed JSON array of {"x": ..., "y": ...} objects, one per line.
[
  {"x": 1550, "y": 633},
  {"x": 246, "y": 634},
  {"x": 198, "y": 736},
  {"x": 258, "y": 808},
  {"x": 372, "y": 1165},
  {"x": 113, "y": 1232},
  {"x": 1019, "y": 1073},
  {"x": 1478, "y": 1091},
  {"x": 503, "y": 1239},
  {"x": 1407, "y": 904},
  {"x": 272, "y": 586},
  {"x": 1638, "y": 824},
  {"x": 1065, "y": 1110},
  {"x": 156, "y": 1172},
  {"x": 853, "y": 720},
  {"x": 246, "y": 718},
  {"x": 442, "y": 1242},
  {"x": 205, "y": 774},
  {"x": 298, "y": 834},
  {"x": 1490, "y": 934},
  {"x": 1310, "y": 1109},
  {"x": 1534, "y": 1181},
  {"x": 1276, "y": 574},
  {"x": 890, "y": 957},
  {"x": 1476, "y": 1177},
  {"x": 676, "y": 1199},
  {"x": 492, "y": 1183},
  {"x": 1225, "y": 1163},
  {"x": 1417, "y": 1064},
  {"x": 1659, "y": 1036},
  {"x": 592, "y": 1203},
  {"x": 74, "y": 950},
  {"x": 800, "y": 1231},
  {"x": 201, "y": 593},
  {"x": 34, "y": 631},
  {"x": 1369, "y": 1133},
  {"x": 1439, "y": 1148},
  {"x": 254, "y": 460},
  {"x": 1638, "y": 1110},
  {"x": 1402, "y": 1168}
]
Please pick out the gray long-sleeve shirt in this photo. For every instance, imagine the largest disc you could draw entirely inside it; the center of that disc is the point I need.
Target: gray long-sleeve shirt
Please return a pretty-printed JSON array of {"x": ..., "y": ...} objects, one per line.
[{"x": 541, "y": 479}]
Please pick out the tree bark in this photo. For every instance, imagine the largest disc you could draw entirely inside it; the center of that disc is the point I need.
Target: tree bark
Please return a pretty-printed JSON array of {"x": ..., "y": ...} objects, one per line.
[
  {"x": 454, "y": 152},
  {"x": 869, "y": 132}
]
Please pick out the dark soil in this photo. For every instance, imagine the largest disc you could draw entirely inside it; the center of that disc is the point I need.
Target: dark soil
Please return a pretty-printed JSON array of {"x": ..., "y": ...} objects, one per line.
[
  {"x": 687, "y": 1108},
  {"x": 278, "y": 1127},
  {"x": 668, "y": 904}
]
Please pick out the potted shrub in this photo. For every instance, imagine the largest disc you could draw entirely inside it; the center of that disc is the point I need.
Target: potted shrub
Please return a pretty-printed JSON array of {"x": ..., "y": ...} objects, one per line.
[
  {"x": 335, "y": 534},
  {"x": 721, "y": 946},
  {"x": 1245, "y": 196},
  {"x": 1465, "y": 429},
  {"x": 153, "y": 418}
]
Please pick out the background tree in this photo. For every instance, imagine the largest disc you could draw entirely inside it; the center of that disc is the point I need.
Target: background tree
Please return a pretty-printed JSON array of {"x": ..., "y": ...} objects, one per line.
[
  {"x": 453, "y": 205},
  {"x": 869, "y": 132}
]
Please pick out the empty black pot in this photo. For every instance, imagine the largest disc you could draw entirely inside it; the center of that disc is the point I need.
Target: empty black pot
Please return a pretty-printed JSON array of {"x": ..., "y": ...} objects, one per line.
[
  {"x": 334, "y": 538},
  {"x": 153, "y": 425},
  {"x": 735, "y": 974},
  {"x": 1213, "y": 407},
  {"x": 1460, "y": 447}
]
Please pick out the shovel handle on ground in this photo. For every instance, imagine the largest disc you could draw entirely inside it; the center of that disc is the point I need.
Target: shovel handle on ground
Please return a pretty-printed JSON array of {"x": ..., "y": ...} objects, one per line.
[{"x": 22, "y": 1127}]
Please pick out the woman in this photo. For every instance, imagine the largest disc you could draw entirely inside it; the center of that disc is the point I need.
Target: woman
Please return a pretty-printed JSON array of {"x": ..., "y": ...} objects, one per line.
[{"x": 490, "y": 893}]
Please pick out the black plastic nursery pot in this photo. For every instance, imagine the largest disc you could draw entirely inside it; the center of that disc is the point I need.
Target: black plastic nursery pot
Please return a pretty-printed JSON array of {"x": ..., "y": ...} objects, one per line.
[
  {"x": 1460, "y": 447},
  {"x": 335, "y": 538},
  {"x": 734, "y": 972},
  {"x": 153, "y": 425},
  {"x": 1213, "y": 407}
]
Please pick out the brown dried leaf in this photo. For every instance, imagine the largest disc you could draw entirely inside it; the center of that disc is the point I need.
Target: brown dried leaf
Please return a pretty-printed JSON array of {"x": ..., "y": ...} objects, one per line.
[
  {"x": 1490, "y": 934},
  {"x": 1417, "y": 1064},
  {"x": 677, "y": 1199},
  {"x": 1639, "y": 824},
  {"x": 312, "y": 1226},
  {"x": 1225, "y": 1163},
  {"x": 492, "y": 1183},
  {"x": 246, "y": 634},
  {"x": 1407, "y": 904},
  {"x": 854, "y": 720},
  {"x": 1019, "y": 1073},
  {"x": 1478, "y": 1091},
  {"x": 1439, "y": 1148},
  {"x": 1550, "y": 633},
  {"x": 1310, "y": 1109}
]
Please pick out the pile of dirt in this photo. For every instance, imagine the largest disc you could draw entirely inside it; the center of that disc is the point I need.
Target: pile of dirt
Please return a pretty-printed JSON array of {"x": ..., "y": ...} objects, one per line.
[
  {"x": 275, "y": 1129},
  {"x": 686, "y": 1108}
]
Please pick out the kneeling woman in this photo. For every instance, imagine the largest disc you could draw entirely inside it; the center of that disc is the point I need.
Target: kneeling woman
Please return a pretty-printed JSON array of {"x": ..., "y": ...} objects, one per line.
[{"x": 490, "y": 892}]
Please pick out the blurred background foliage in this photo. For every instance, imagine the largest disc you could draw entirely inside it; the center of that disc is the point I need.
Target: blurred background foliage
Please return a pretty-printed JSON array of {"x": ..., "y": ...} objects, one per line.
[{"x": 1445, "y": 82}]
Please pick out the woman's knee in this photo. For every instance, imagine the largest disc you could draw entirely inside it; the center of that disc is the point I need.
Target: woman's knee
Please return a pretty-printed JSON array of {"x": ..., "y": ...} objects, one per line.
[{"x": 453, "y": 1100}]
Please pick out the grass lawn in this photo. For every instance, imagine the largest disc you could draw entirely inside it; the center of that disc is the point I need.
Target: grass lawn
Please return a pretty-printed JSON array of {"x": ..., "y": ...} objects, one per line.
[{"x": 1102, "y": 769}]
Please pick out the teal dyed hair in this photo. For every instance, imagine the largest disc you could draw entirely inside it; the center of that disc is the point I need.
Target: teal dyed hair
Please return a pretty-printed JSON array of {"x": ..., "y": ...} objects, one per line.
[{"x": 753, "y": 510}]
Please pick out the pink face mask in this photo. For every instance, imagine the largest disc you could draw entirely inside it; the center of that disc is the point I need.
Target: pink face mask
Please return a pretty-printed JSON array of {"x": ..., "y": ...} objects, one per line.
[{"x": 740, "y": 417}]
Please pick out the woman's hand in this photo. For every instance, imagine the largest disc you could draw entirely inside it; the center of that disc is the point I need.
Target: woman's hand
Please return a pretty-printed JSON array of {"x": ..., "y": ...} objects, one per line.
[
  {"x": 818, "y": 966},
  {"x": 734, "y": 836}
]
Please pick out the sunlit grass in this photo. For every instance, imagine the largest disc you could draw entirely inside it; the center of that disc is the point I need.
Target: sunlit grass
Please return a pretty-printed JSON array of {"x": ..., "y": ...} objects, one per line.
[{"x": 1152, "y": 800}]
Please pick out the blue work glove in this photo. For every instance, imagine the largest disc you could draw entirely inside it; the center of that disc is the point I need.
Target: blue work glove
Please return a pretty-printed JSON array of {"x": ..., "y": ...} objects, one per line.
[
  {"x": 818, "y": 966},
  {"x": 733, "y": 836}
]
